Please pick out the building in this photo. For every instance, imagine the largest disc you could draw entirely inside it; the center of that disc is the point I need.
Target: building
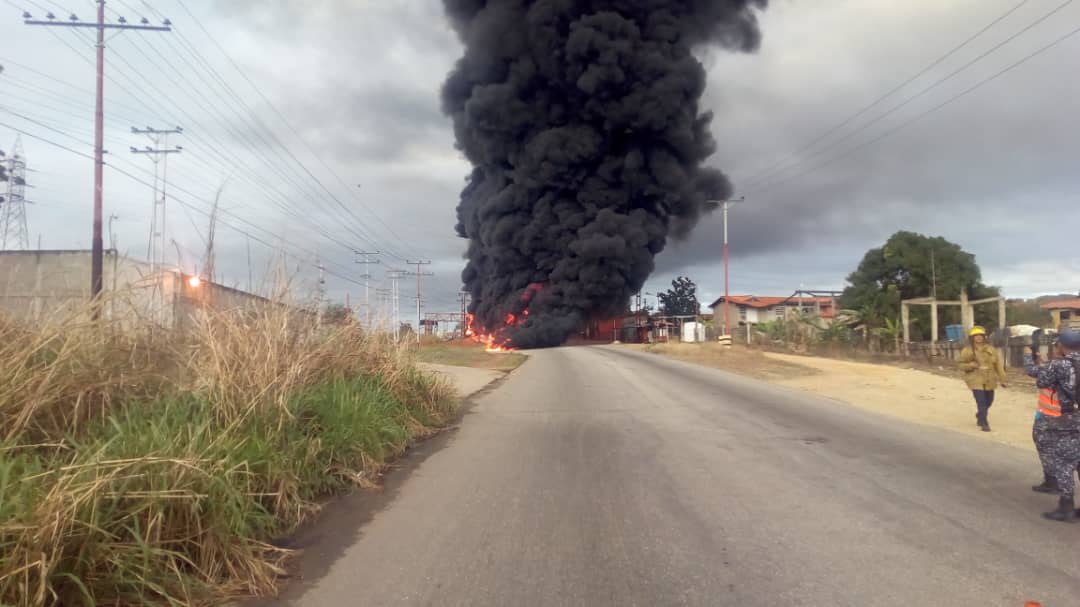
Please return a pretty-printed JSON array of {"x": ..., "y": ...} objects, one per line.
[
  {"x": 38, "y": 285},
  {"x": 1065, "y": 313},
  {"x": 756, "y": 309}
]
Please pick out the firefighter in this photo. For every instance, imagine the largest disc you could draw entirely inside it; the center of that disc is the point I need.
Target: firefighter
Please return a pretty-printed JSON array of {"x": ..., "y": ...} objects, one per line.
[
  {"x": 983, "y": 371},
  {"x": 1058, "y": 437}
]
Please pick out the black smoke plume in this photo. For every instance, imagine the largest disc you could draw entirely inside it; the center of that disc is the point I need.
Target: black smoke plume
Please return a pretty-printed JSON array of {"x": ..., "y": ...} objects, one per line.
[{"x": 581, "y": 119}]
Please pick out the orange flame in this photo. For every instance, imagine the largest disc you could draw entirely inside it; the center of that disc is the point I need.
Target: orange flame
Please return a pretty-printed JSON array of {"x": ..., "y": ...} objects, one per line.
[{"x": 491, "y": 342}]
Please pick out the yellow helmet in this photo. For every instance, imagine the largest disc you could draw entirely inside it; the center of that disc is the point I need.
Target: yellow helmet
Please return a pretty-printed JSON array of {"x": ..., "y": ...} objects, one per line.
[{"x": 977, "y": 331}]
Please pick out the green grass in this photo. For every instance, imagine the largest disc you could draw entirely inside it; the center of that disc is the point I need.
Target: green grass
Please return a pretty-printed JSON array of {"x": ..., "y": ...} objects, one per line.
[
  {"x": 165, "y": 503},
  {"x": 470, "y": 355}
]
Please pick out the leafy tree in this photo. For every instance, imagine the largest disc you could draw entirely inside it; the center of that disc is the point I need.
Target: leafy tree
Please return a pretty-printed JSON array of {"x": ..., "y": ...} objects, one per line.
[
  {"x": 681, "y": 299},
  {"x": 911, "y": 265}
]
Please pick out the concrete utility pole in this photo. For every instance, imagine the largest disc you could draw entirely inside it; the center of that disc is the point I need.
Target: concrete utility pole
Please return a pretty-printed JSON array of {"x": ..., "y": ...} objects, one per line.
[
  {"x": 727, "y": 304},
  {"x": 97, "y": 245},
  {"x": 418, "y": 273},
  {"x": 159, "y": 155},
  {"x": 395, "y": 276},
  {"x": 383, "y": 295},
  {"x": 364, "y": 259}
]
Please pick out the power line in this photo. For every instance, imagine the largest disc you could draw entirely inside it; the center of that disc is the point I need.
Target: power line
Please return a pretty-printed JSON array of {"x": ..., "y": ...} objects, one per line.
[
  {"x": 340, "y": 274},
  {"x": 243, "y": 74},
  {"x": 933, "y": 109},
  {"x": 241, "y": 136},
  {"x": 282, "y": 197},
  {"x": 918, "y": 95},
  {"x": 767, "y": 172}
]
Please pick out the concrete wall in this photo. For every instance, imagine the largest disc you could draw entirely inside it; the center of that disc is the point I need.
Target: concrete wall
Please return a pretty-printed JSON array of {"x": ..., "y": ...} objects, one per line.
[{"x": 38, "y": 285}]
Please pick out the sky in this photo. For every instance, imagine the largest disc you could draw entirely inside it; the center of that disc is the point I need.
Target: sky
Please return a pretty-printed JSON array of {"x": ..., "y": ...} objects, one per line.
[{"x": 318, "y": 126}]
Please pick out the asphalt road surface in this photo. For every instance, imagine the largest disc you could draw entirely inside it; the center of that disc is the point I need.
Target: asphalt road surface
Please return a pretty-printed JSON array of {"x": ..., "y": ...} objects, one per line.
[{"x": 599, "y": 476}]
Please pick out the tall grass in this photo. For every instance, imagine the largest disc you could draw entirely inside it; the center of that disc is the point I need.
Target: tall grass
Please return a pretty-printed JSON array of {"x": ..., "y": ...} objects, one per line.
[{"x": 154, "y": 468}]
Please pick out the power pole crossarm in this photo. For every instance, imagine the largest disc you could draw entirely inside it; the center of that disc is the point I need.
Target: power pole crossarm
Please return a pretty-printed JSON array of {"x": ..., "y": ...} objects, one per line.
[
  {"x": 419, "y": 274},
  {"x": 365, "y": 259},
  {"x": 97, "y": 244}
]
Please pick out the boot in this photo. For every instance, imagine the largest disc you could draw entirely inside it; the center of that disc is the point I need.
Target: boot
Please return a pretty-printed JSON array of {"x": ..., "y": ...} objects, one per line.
[
  {"x": 1048, "y": 485},
  {"x": 985, "y": 425},
  {"x": 1065, "y": 513}
]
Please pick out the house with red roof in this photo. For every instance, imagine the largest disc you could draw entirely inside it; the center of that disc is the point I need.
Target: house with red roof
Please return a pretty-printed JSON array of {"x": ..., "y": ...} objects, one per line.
[
  {"x": 755, "y": 309},
  {"x": 1065, "y": 312}
]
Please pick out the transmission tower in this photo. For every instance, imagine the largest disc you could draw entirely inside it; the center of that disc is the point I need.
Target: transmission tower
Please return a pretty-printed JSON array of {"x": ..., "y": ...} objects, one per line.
[{"x": 14, "y": 234}]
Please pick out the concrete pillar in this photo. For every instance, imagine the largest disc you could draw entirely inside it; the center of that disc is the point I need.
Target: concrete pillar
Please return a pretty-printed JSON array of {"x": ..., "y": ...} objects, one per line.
[
  {"x": 966, "y": 317},
  {"x": 933, "y": 327},
  {"x": 905, "y": 319}
]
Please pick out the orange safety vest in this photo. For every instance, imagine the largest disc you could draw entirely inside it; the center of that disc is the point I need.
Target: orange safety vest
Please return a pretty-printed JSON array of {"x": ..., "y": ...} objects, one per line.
[{"x": 1048, "y": 403}]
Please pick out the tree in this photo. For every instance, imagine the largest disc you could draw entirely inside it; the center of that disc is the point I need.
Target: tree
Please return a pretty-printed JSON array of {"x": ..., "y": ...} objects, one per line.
[
  {"x": 681, "y": 299},
  {"x": 911, "y": 265}
]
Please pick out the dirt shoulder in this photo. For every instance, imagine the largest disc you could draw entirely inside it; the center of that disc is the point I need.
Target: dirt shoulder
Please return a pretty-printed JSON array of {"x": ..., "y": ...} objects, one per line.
[
  {"x": 935, "y": 398},
  {"x": 468, "y": 354},
  {"x": 466, "y": 365}
]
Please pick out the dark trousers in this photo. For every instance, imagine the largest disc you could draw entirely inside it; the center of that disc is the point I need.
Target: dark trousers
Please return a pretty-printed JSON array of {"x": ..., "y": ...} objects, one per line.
[
  {"x": 983, "y": 400},
  {"x": 1043, "y": 435}
]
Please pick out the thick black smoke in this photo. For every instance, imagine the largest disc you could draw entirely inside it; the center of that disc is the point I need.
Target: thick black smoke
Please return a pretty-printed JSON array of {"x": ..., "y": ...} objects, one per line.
[{"x": 581, "y": 119}]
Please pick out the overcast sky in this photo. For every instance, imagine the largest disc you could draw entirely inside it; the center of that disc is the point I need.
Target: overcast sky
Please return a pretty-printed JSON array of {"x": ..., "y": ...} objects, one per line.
[{"x": 321, "y": 121}]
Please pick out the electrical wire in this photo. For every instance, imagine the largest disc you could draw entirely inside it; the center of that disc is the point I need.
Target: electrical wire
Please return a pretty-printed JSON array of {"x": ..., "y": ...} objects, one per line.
[
  {"x": 918, "y": 95},
  {"x": 926, "y": 69},
  {"x": 933, "y": 109},
  {"x": 296, "y": 134}
]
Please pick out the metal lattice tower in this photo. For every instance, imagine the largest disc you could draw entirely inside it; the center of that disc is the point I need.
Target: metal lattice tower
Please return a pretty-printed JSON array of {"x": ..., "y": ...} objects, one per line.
[{"x": 14, "y": 234}]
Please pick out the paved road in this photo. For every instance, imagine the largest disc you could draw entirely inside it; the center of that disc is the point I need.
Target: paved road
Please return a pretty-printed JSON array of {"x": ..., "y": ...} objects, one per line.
[{"x": 598, "y": 476}]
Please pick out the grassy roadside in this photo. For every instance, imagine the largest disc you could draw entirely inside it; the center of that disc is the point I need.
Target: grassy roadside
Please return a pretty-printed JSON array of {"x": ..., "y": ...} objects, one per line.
[
  {"x": 157, "y": 470},
  {"x": 469, "y": 354}
]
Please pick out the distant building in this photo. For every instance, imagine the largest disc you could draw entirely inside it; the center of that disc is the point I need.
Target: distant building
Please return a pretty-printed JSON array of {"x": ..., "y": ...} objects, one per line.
[
  {"x": 1065, "y": 313},
  {"x": 755, "y": 309}
]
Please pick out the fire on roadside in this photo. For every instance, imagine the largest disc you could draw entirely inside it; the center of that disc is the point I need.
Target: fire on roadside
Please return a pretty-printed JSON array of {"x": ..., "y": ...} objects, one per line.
[
  {"x": 492, "y": 342},
  {"x": 495, "y": 340}
]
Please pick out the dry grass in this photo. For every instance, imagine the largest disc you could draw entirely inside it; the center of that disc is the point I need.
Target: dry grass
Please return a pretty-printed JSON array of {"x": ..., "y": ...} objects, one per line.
[
  {"x": 140, "y": 468},
  {"x": 469, "y": 354}
]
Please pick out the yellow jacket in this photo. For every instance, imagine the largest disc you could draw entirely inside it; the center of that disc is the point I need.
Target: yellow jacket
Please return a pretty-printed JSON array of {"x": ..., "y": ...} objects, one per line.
[{"x": 982, "y": 367}]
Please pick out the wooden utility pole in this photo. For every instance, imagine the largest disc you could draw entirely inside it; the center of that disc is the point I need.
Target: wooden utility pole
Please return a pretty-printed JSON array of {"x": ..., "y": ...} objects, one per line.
[{"x": 97, "y": 244}]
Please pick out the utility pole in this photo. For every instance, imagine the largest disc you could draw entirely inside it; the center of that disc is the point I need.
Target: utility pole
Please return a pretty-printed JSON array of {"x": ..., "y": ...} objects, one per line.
[
  {"x": 112, "y": 233},
  {"x": 320, "y": 290},
  {"x": 13, "y": 231},
  {"x": 383, "y": 295},
  {"x": 364, "y": 259},
  {"x": 395, "y": 276},
  {"x": 419, "y": 274},
  {"x": 727, "y": 302},
  {"x": 97, "y": 244},
  {"x": 158, "y": 154}
]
